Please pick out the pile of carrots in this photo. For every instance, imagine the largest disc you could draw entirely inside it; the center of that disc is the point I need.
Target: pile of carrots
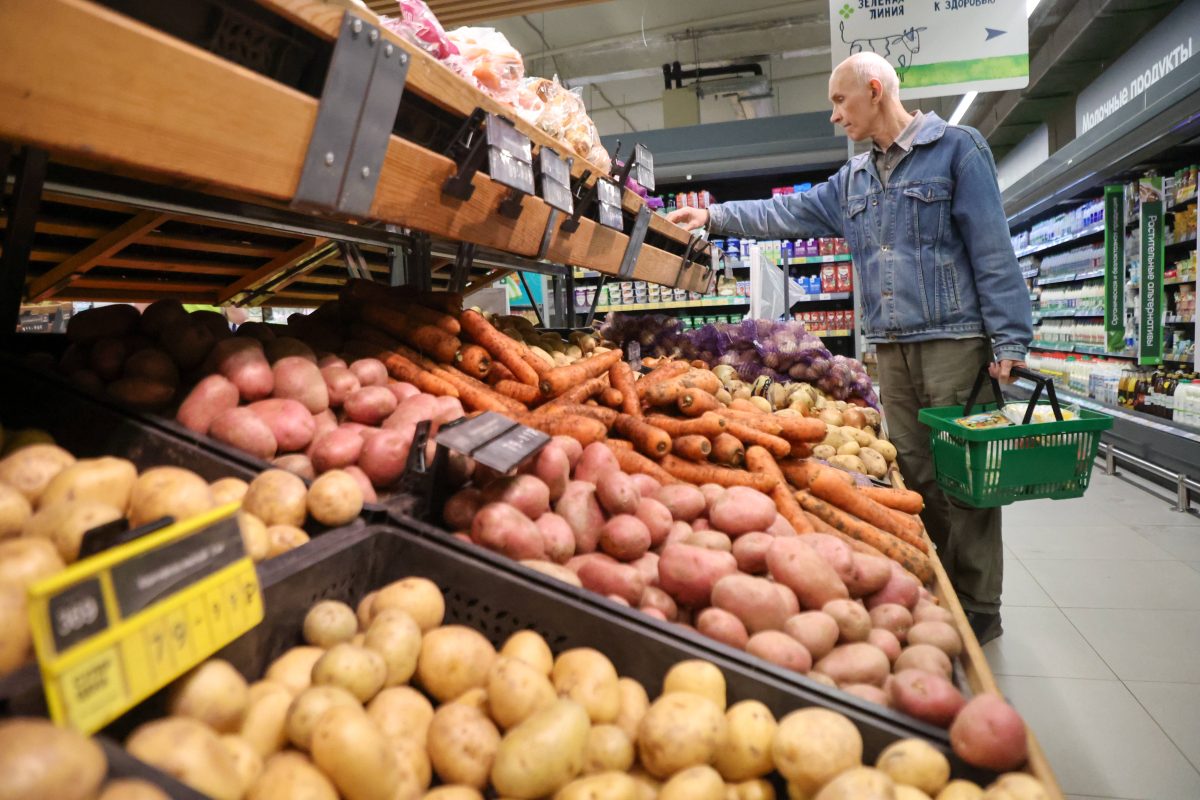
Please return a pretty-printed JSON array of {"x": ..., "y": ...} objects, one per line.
[{"x": 667, "y": 424}]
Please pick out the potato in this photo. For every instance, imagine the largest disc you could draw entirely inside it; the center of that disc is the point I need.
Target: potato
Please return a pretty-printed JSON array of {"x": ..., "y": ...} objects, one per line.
[
  {"x": 30, "y": 469},
  {"x": 246, "y": 761},
  {"x": 291, "y": 423},
  {"x": 309, "y": 706},
  {"x": 726, "y": 628},
  {"x": 960, "y": 790},
  {"x": 531, "y": 648},
  {"x": 925, "y": 657},
  {"x": 856, "y": 663},
  {"x": 886, "y": 641},
  {"x": 816, "y": 630},
  {"x": 370, "y": 405},
  {"x": 463, "y": 744},
  {"x": 605, "y": 786},
  {"x": 872, "y": 694},
  {"x": 697, "y": 677},
  {"x": 340, "y": 383},
  {"x": 683, "y": 501},
  {"x": 241, "y": 428},
  {"x": 989, "y": 733},
  {"x": 297, "y": 378},
  {"x": 420, "y": 598},
  {"x": 1016, "y": 786},
  {"x": 801, "y": 569},
  {"x": 255, "y": 540},
  {"x": 370, "y": 372},
  {"x": 894, "y": 618},
  {"x": 15, "y": 511},
  {"x": 298, "y": 464},
  {"x": 689, "y": 573},
  {"x": 579, "y": 507},
  {"x": 780, "y": 649},
  {"x": 543, "y": 753},
  {"x": 873, "y": 461},
  {"x": 885, "y": 449},
  {"x": 228, "y": 490},
  {"x": 265, "y": 724},
  {"x": 284, "y": 538},
  {"x": 824, "y": 451},
  {"x": 750, "y": 550},
  {"x": 941, "y": 635},
  {"x": 348, "y": 747},
  {"x": 603, "y": 575},
  {"x": 760, "y": 789},
  {"x": 609, "y": 748},
  {"x": 754, "y": 601},
  {"x": 916, "y": 763},
  {"x": 926, "y": 696},
  {"x": 132, "y": 789},
  {"x": 108, "y": 480},
  {"x": 277, "y": 498},
  {"x": 453, "y": 660},
  {"x": 241, "y": 361},
  {"x": 556, "y": 571},
  {"x": 847, "y": 461},
  {"x": 504, "y": 528},
  {"x": 835, "y": 552},
  {"x": 633, "y": 706},
  {"x": 854, "y": 623},
  {"x": 293, "y": 669},
  {"x": 618, "y": 493},
  {"x": 329, "y": 622},
  {"x": 694, "y": 783},
  {"x": 625, "y": 537},
  {"x": 741, "y": 509},
  {"x": 24, "y": 562},
  {"x": 871, "y": 573},
  {"x": 813, "y": 745},
  {"x": 680, "y": 730},
  {"x": 589, "y": 678},
  {"x": 41, "y": 760},
  {"x": 558, "y": 539},
  {"x": 360, "y": 671},
  {"x": 746, "y": 754},
  {"x": 595, "y": 460},
  {"x": 928, "y": 612},
  {"x": 516, "y": 691},
  {"x": 396, "y": 637},
  {"x": 214, "y": 693},
  {"x": 64, "y": 524},
  {"x": 188, "y": 751},
  {"x": 860, "y": 783},
  {"x": 291, "y": 775},
  {"x": 656, "y": 598},
  {"x": 901, "y": 588},
  {"x": 335, "y": 499},
  {"x": 262, "y": 688}
]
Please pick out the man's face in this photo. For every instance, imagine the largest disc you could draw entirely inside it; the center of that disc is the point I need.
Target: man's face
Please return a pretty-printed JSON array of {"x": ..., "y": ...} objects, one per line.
[{"x": 853, "y": 108}]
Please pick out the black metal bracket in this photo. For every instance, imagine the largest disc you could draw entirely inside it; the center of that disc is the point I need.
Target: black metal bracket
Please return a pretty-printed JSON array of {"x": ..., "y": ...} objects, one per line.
[
  {"x": 356, "y": 265},
  {"x": 633, "y": 248},
  {"x": 359, "y": 104},
  {"x": 511, "y": 205},
  {"x": 591, "y": 315},
  {"x": 420, "y": 267},
  {"x": 509, "y": 154},
  {"x": 537, "y": 312},
  {"x": 686, "y": 263},
  {"x": 467, "y": 151},
  {"x": 640, "y": 165},
  {"x": 30, "y": 169},
  {"x": 583, "y": 196},
  {"x": 547, "y": 235},
  {"x": 463, "y": 262}
]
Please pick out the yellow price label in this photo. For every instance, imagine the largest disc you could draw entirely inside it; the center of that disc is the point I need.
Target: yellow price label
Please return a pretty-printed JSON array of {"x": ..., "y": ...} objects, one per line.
[{"x": 111, "y": 630}]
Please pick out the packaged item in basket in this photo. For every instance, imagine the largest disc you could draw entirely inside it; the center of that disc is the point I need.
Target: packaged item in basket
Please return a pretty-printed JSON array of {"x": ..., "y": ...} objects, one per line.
[
  {"x": 985, "y": 421},
  {"x": 845, "y": 277},
  {"x": 486, "y": 57},
  {"x": 829, "y": 280},
  {"x": 1042, "y": 412},
  {"x": 419, "y": 25}
]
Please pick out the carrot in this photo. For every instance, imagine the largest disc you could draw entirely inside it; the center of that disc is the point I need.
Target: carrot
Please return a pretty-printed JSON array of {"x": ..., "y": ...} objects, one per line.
[
  {"x": 521, "y": 392},
  {"x": 901, "y": 552},
  {"x": 799, "y": 449},
  {"x": 479, "y": 395},
  {"x": 749, "y": 436},
  {"x": 709, "y": 424},
  {"x": 502, "y": 348},
  {"x": 695, "y": 402},
  {"x": 799, "y": 429},
  {"x": 474, "y": 360},
  {"x": 702, "y": 379},
  {"x": 620, "y": 375},
  {"x": 765, "y": 423},
  {"x": 648, "y": 439},
  {"x": 741, "y": 404},
  {"x": 664, "y": 393},
  {"x": 663, "y": 372},
  {"x": 499, "y": 372},
  {"x": 560, "y": 379},
  {"x": 905, "y": 500},
  {"x": 633, "y": 462},
  {"x": 800, "y": 473},
  {"x": 728, "y": 450},
  {"x": 620, "y": 444},
  {"x": 576, "y": 395},
  {"x": 700, "y": 474},
  {"x": 693, "y": 447},
  {"x": 429, "y": 339},
  {"x": 606, "y": 415},
  {"x": 760, "y": 461},
  {"x": 851, "y": 500},
  {"x": 402, "y": 369},
  {"x": 535, "y": 361},
  {"x": 819, "y": 525},
  {"x": 583, "y": 430},
  {"x": 613, "y": 398}
]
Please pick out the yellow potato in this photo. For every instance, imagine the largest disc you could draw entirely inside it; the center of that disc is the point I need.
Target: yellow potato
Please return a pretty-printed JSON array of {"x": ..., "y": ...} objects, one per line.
[
  {"x": 415, "y": 770},
  {"x": 64, "y": 524},
  {"x": 530, "y": 647},
  {"x": 41, "y": 760},
  {"x": 265, "y": 723},
  {"x": 634, "y": 703},
  {"x": 462, "y": 745},
  {"x": 760, "y": 789},
  {"x": 277, "y": 497},
  {"x": 282, "y": 538},
  {"x": 402, "y": 712},
  {"x": 260, "y": 689},
  {"x": 356, "y": 669},
  {"x": 188, "y": 751},
  {"x": 589, "y": 678},
  {"x": 476, "y": 698},
  {"x": 747, "y": 751},
  {"x": 543, "y": 753},
  {"x": 214, "y": 693},
  {"x": 329, "y": 622},
  {"x": 697, "y": 677},
  {"x": 363, "y": 611},
  {"x": 605, "y": 786},
  {"x": 16, "y": 643},
  {"x": 168, "y": 492},
  {"x": 813, "y": 745},
  {"x": 396, "y": 637},
  {"x": 902, "y": 792},
  {"x": 680, "y": 730},
  {"x": 694, "y": 783},
  {"x": 916, "y": 763},
  {"x": 335, "y": 498},
  {"x": 859, "y": 783},
  {"x": 453, "y": 793},
  {"x": 516, "y": 690},
  {"x": 254, "y": 536},
  {"x": 15, "y": 511},
  {"x": 885, "y": 449},
  {"x": 453, "y": 659},
  {"x": 30, "y": 469},
  {"x": 246, "y": 760},
  {"x": 106, "y": 480},
  {"x": 1014, "y": 786},
  {"x": 348, "y": 747},
  {"x": 293, "y": 669},
  {"x": 873, "y": 461},
  {"x": 960, "y": 790},
  {"x": 648, "y": 786},
  {"x": 608, "y": 749},
  {"x": 26, "y": 561},
  {"x": 291, "y": 776},
  {"x": 228, "y": 490},
  {"x": 420, "y": 597},
  {"x": 309, "y": 706},
  {"x": 132, "y": 789}
]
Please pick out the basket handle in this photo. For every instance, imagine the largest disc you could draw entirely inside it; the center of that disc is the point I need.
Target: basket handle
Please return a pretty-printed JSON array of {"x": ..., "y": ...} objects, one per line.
[{"x": 1040, "y": 382}]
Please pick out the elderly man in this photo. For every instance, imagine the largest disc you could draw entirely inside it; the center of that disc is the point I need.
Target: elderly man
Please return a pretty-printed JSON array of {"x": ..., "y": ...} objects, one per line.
[{"x": 942, "y": 294}]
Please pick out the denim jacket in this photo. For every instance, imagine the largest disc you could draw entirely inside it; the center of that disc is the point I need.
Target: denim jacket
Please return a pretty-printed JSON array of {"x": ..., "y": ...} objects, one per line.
[{"x": 932, "y": 248}]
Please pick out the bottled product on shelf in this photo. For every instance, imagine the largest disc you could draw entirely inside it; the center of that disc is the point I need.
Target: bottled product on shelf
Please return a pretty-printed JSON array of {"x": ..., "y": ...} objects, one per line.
[
  {"x": 1071, "y": 264},
  {"x": 1062, "y": 227},
  {"x": 628, "y": 295},
  {"x": 1181, "y": 187}
]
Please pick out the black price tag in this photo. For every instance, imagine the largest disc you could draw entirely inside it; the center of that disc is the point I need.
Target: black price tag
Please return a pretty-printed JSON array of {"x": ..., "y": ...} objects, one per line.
[
  {"x": 643, "y": 167},
  {"x": 510, "y": 155},
  {"x": 493, "y": 440},
  {"x": 633, "y": 353},
  {"x": 609, "y": 195}
]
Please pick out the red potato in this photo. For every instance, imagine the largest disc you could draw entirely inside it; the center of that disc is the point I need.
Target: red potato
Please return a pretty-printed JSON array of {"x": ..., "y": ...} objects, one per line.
[
  {"x": 711, "y": 540},
  {"x": 750, "y": 550},
  {"x": 625, "y": 537},
  {"x": 701, "y": 524},
  {"x": 401, "y": 390},
  {"x": 527, "y": 493},
  {"x": 258, "y": 331},
  {"x": 719, "y": 624},
  {"x": 290, "y": 422},
  {"x": 285, "y": 346},
  {"x": 413, "y": 410},
  {"x": 212, "y": 397},
  {"x": 448, "y": 409},
  {"x": 871, "y": 573},
  {"x": 571, "y": 447},
  {"x": 460, "y": 510},
  {"x": 385, "y": 455},
  {"x": 685, "y": 502},
  {"x": 330, "y": 360},
  {"x": 370, "y": 372},
  {"x": 618, "y": 599},
  {"x": 296, "y": 463},
  {"x": 657, "y": 519},
  {"x": 579, "y": 508},
  {"x": 364, "y": 483},
  {"x": 941, "y": 635},
  {"x": 872, "y": 694},
  {"x": 928, "y": 612},
  {"x": 162, "y": 315},
  {"x": 340, "y": 382},
  {"x": 115, "y": 320},
  {"x": 596, "y": 460},
  {"x": 648, "y": 566},
  {"x": 885, "y": 641},
  {"x": 816, "y": 630},
  {"x": 323, "y": 423},
  {"x": 107, "y": 357},
  {"x": 711, "y": 492},
  {"x": 689, "y": 573},
  {"x": 617, "y": 493},
  {"x": 854, "y": 623},
  {"x": 790, "y": 601},
  {"x": 652, "y": 611},
  {"x": 646, "y": 485},
  {"x": 337, "y": 449},
  {"x": 141, "y": 394},
  {"x": 989, "y": 733},
  {"x": 153, "y": 364},
  {"x": 754, "y": 601},
  {"x": 926, "y": 696},
  {"x": 835, "y": 552},
  {"x": 241, "y": 360},
  {"x": 894, "y": 618},
  {"x": 557, "y": 536},
  {"x": 297, "y": 378},
  {"x": 925, "y": 657},
  {"x": 798, "y": 567},
  {"x": 742, "y": 510},
  {"x": 901, "y": 588},
  {"x": 824, "y": 680},
  {"x": 856, "y": 663},
  {"x": 678, "y": 532},
  {"x": 781, "y": 527},
  {"x": 658, "y": 600},
  {"x": 245, "y": 430},
  {"x": 608, "y": 577},
  {"x": 503, "y": 528},
  {"x": 190, "y": 344},
  {"x": 554, "y": 468},
  {"x": 780, "y": 649}
]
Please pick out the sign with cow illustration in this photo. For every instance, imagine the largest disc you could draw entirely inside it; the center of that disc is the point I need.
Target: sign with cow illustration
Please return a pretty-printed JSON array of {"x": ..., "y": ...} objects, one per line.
[{"x": 938, "y": 47}]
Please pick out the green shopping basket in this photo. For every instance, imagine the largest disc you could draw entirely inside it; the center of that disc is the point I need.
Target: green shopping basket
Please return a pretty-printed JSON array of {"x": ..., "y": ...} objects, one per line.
[{"x": 997, "y": 466}]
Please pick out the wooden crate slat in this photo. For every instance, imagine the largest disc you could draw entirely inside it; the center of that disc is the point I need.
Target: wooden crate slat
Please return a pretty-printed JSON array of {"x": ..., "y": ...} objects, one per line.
[
  {"x": 179, "y": 242},
  {"x": 44, "y": 286},
  {"x": 275, "y": 265}
]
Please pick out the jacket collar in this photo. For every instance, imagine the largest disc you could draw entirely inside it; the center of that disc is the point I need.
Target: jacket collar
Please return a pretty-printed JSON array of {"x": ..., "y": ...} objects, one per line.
[{"x": 932, "y": 128}]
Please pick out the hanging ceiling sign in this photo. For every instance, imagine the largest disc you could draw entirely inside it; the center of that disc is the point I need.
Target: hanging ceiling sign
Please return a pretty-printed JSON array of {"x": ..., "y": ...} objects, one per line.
[{"x": 938, "y": 47}]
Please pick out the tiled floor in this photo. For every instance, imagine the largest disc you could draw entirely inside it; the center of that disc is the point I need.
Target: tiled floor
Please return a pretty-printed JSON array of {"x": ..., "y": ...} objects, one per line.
[{"x": 1101, "y": 649}]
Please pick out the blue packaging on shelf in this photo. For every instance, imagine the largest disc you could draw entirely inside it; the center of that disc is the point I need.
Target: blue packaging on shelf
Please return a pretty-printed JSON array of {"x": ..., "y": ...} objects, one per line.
[{"x": 733, "y": 248}]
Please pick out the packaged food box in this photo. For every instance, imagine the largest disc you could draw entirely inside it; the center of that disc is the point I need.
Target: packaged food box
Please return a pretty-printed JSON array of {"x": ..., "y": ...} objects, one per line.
[
  {"x": 829, "y": 279},
  {"x": 845, "y": 276}
]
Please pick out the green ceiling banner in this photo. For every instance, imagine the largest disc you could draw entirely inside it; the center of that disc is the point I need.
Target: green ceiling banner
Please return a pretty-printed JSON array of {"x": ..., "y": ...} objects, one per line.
[
  {"x": 1153, "y": 300},
  {"x": 1114, "y": 267}
]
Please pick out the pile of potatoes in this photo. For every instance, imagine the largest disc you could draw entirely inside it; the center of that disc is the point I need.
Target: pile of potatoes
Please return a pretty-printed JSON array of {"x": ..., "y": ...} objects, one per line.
[
  {"x": 386, "y": 702},
  {"x": 724, "y": 563},
  {"x": 550, "y": 347}
]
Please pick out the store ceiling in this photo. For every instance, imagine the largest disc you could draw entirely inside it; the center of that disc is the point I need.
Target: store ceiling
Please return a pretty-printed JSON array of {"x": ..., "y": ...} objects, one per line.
[{"x": 469, "y": 12}]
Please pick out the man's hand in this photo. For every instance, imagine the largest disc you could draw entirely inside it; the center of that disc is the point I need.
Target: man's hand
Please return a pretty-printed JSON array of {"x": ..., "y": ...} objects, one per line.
[
  {"x": 1002, "y": 371},
  {"x": 690, "y": 218}
]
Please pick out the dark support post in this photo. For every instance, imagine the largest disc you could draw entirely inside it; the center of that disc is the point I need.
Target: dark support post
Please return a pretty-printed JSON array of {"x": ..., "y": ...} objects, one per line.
[
  {"x": 420, "y": 272},
  {"x": 570, "y": 297},
  {"x": 462, "y": 266},
  {"x": 537, "y": 311},
  {"x": 591, "y": 315},
  {"x": 30, "y": 168},
  {"x": 399, "y": 266}
]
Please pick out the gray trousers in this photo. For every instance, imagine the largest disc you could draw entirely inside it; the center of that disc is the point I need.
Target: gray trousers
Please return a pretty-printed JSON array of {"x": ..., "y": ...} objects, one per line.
[{"x": 940, "y": 373}]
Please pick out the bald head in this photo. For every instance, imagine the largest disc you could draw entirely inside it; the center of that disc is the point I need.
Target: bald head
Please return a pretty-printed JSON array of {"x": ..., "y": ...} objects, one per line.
[{"x": 862, "y": 68}]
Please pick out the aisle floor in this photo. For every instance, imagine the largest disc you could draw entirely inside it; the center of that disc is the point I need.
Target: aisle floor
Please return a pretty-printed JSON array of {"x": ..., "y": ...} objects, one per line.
[{"x": 1101, "y": 644}]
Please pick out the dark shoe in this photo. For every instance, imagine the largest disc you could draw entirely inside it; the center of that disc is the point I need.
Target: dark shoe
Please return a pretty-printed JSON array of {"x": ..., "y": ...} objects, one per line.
[{"x": 985, "y": 626}]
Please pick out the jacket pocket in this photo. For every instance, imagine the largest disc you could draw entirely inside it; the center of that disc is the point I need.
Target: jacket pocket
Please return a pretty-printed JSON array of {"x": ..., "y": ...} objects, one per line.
[
  {"x": 929, "y": 211},
  {"x": 948, "y": 298}
]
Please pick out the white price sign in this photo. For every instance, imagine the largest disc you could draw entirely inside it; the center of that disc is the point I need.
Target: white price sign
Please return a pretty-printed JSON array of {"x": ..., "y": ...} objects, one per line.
[{"x": 938, "y": 47}]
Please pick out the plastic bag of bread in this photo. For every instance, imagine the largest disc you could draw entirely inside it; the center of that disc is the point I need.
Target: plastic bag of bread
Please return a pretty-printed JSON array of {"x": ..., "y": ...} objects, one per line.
[
  {"x": 421, "y": 27},
  {"x": 486, "y": 57}
]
